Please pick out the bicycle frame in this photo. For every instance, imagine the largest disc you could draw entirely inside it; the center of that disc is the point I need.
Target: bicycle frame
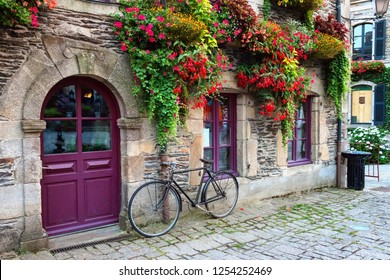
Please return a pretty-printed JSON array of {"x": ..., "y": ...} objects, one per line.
[{"x": 206, "y": 174}]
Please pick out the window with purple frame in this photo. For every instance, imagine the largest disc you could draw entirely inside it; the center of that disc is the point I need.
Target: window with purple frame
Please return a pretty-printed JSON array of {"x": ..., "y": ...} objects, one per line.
[
  {"x": 299, "y": 147},
  {"x": 219, "y": 132}
]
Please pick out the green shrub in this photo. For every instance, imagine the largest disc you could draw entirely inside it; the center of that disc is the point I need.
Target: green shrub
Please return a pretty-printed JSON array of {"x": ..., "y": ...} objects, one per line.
[{"x": 370, "y": 139}]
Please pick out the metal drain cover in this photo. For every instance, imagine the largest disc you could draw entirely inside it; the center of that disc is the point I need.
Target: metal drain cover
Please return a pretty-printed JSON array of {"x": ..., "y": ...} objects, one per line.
[{"x": 88, "y": 244}]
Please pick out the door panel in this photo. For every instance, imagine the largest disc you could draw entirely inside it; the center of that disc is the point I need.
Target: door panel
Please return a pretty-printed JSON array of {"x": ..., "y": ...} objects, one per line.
[
  {"x": 61, "y": 199},
  {"x": 80, "y": 146}
]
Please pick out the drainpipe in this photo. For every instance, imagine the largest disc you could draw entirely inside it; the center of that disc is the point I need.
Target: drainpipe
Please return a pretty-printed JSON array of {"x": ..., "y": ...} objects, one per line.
[{"x": 339, "y": 141}]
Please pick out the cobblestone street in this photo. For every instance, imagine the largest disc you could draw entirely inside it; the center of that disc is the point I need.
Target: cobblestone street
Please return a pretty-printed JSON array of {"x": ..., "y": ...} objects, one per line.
[{"x": 330, "y": 224}]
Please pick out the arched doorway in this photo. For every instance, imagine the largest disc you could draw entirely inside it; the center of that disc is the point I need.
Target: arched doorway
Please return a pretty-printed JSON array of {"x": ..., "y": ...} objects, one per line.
[{"x": 80, "y": 157}]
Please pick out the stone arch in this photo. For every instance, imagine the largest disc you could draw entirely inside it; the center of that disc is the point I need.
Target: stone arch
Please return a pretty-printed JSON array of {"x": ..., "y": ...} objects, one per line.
[{"x": 65, "y": 58}]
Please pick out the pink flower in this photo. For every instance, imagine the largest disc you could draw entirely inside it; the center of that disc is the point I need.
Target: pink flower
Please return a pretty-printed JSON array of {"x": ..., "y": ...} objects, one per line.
[
  {"x": 118, "y": 24},
  {"x": 152, "y": 39},
  {"x": 225, "y": 22},
  {"x": 147, "y": 51},
  {"x": 150, "y": 33},
  {"x": 172, "y": 56},
  {"x": 141, "y": 17},
  {"x": 34, "y": 10},
  {"x": 216, "y": 24},
  {"x": 34, "y": 20},
  {"x": 142, "y": 27},
  {"x": 161, "y": 36},
  {"x": 123, "y": 47},
  {"x": 160, "y": 18}
]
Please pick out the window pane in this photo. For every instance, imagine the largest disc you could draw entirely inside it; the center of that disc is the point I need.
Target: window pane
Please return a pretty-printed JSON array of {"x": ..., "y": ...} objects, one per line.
[
  {"x": 208, "y": 135},
  {"x": 208, "y": 111},
  {"x": 93, "y": 104},
  {"x": 96, "y": 135},
  {"x": 290, "y": 151},
  {"x": 301, "y": 149},
  {"x": 224, "y": 110},
  {"x": 208, "y": 154},
  {"x": 301, "y": 129},
  {"x": 62, "y": 104},
  {"x": 224, "y": 158},
  {"x": 60, "y": 137},
  {"x": 224, "y": 133}
]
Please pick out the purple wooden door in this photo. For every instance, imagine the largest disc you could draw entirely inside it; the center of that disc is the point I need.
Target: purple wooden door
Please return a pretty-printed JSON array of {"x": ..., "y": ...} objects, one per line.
[{"x": 80, "y": 155}]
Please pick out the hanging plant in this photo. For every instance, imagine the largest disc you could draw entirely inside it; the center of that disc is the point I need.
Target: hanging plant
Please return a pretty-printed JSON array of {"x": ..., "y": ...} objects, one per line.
[
  {"x": 327, "y": 46},
  {"x": 278, "y": 80},
  {"x": 175, "y": 58},
  {"x": 304, "y": 4},
  {"x": 360, "y": 68},
  {"x": 338, "y": 80},
  {"x": 25, "y": 12}
]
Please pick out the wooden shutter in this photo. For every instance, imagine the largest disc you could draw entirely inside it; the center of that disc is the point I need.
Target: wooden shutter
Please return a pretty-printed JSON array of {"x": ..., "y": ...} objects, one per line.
[
  {"x": 380, "y": 39},
  {"x": 379, "y": 104}
]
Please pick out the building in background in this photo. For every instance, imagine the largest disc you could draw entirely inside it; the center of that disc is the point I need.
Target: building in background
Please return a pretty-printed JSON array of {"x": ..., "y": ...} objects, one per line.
[{"x": 370, "y": 41}]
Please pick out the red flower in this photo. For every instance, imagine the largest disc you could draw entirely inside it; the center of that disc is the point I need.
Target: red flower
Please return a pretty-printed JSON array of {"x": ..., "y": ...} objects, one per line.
[{"x": 117, "y": 24}]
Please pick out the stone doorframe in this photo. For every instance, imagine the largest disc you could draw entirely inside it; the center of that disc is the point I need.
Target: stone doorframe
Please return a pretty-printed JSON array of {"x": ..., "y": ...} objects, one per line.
[{"x": 25, "y": 95}]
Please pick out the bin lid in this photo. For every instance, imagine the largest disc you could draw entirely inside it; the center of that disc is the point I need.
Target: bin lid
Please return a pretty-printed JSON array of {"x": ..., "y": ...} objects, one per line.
[{"x": 355, "y": 154}]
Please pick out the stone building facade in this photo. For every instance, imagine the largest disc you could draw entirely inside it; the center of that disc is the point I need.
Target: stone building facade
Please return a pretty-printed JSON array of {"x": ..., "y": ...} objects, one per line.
[
  {"x": 74, "y": 45},
  {"x": 370, "y": 40}
]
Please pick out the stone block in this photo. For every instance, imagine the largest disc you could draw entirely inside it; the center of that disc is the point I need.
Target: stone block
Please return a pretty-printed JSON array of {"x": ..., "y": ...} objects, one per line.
[
  {"x": 11, "y": 148},
  {"x": 133, "y": 148},
  {"x": 10, "y": 234},
  {"x": 7, "y": 176},
  {"x": 133, "y": 168},
  {"x": 196, "y": 152},
  {"x": 147, "y": 147},
  {"x": 10, "y": 130},
  {"x": 11, "y": 201},
  {"x": 32, "y": 170},
  {"x": 33, "y": 204},
  {"x": 195, "y": 126},
  {"x": 252, "y": 146}
]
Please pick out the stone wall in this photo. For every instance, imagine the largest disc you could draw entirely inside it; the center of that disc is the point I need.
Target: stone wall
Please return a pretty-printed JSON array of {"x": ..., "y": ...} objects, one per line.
[{"x": 77, "y": 39}]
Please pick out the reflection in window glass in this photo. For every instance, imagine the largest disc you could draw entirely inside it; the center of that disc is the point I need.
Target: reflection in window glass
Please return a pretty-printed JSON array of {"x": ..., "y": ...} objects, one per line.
[
  {"x": 96, "y": 135},
  {"x": 224, "y": 158},
  {"x": 93, "y": 104},
  {"x": 224, "y": 133},
  {"x": 62, "y": 104},
  {"x": 60, "y": 137}
]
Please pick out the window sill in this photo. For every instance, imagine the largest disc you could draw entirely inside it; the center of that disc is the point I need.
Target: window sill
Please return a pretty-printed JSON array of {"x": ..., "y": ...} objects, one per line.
[{"x": 299, "y": 163}]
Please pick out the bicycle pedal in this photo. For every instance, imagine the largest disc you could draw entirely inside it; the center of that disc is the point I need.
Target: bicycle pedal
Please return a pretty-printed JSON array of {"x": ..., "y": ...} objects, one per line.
[{"x": 201, "y": 208}]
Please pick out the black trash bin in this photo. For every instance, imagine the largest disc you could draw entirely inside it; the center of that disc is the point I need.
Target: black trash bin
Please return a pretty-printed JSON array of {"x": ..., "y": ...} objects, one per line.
[{"x": 355, "y": 168}]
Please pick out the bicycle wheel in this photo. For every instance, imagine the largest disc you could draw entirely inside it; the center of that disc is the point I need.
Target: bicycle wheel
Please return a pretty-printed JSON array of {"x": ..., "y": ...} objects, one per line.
[
  {"x": 220, "y": 194},
  {"x": 154, "y": 209}
]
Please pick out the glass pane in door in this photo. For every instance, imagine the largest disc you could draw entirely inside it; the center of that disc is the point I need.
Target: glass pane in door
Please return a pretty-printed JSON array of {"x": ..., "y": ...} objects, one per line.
[
  {"x": 62, "y": 104},
  {"x": 96, "y": 135},
  {"x": 93, "y": 104},
  {"x": 60, "y": 137}
]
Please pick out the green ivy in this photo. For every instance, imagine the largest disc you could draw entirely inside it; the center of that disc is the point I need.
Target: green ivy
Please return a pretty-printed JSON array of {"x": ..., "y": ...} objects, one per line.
[
  {"x": 267, "y": 9},
  {"x": 338, "y": 80}
]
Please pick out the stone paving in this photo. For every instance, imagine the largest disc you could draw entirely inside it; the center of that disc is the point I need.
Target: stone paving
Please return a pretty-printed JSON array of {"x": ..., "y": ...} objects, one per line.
[{"x": 323, "y": 224}]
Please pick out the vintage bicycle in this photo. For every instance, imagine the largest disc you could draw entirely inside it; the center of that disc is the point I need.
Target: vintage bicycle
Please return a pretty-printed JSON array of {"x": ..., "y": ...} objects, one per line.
[{"x": 154, "y": 207}]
